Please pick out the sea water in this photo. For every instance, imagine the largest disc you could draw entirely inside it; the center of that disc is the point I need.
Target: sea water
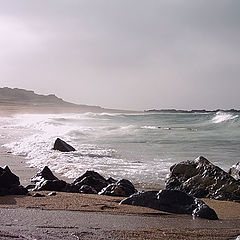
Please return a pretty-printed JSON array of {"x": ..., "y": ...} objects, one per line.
[{"x": 138, "y": 147}]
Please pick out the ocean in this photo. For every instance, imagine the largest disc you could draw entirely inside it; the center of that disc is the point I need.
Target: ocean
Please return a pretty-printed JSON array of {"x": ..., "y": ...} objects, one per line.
[{"x": 138, "y": 147}]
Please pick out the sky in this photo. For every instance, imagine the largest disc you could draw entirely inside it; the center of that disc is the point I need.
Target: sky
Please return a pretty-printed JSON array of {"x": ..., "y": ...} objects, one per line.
[{"x": 125, "y": 54}]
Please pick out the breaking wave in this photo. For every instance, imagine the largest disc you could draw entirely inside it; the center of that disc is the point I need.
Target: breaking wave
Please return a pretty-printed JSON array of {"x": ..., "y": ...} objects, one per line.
[
  {"x": 138, "y": 147},
  {"x": 223, "y": 117}
]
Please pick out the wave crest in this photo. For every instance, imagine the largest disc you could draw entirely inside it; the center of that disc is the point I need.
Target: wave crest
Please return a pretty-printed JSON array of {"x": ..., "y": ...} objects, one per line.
[{"x": 223, "y": 117}]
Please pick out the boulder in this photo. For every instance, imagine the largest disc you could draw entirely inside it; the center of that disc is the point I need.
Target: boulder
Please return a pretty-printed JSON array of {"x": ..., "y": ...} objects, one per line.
[
  {"x": 143, "y": 199},
  {"x": 10, "y": 184},
  {"x": 235, "y": 171},
  {"x": 172, "y": 201},
  {"x": 201, "y": 178},
  {"x": 92, "y": 179},
  {"x": 44, "y": 174},
  {"x": 51, "y": 185},
  {"x": 87, "y": 190},
  {"x": 7, "y": 178},
  {"x": 204, "y": 211},
  {"x": 38, "y": 195},
  {"x": 52, "y": 194},
  {"x": 122, "y": 188},
  {"x": 62, "y": 146}
]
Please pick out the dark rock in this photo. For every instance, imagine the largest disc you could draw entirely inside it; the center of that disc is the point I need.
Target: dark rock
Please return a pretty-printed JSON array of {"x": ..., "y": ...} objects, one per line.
[
  {"x": 201, "y": 178},
  {"x": 91, "y": 178},
  {"x": 44, "y": 174},
  {"x": 62, "y": 146},
  {"x": 38, "y": 195},
  {"x": 122, "y": 188},
  {"x": 30, "y": 187},
  {"x": 71, "y": 188},
  {"x": 111, "y": 180},
  {"x": 10, "y": 184},
  {"x": 143, "y": 199},
  {"x": 52, "y": 194},
  {"x": 204, "y": 211},
  {"x": 172, "y": 201},
  {"x": 87, "y": 189},
  {"x": 235, "y": 171},
  {"x": 7, "y": 178},
  {"x": 90, "y": 174},
  {"x": 51, "y": 185},
  {"x": 18, "y": 190}
]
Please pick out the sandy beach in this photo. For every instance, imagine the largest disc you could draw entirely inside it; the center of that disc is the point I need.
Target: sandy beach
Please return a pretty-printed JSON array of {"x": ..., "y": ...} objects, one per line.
[{"x": 81, "y": 216}]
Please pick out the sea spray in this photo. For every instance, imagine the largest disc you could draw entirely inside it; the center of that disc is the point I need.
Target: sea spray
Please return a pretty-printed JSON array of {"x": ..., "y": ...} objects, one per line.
[{"x": 139, "y": 147}]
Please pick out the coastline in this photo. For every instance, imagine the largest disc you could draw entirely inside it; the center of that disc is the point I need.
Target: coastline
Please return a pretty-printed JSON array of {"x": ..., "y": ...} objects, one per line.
[{"x": 142, "y": 223}]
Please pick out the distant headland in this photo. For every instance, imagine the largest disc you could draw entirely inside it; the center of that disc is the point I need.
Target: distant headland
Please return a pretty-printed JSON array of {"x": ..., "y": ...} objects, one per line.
[
  {"x": 16, "y": 99},
  {"x": 27, "y": 98}
]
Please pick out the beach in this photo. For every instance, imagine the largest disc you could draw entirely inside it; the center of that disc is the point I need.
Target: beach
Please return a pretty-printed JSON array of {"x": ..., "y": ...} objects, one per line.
[{"x": 86, "y": 216}]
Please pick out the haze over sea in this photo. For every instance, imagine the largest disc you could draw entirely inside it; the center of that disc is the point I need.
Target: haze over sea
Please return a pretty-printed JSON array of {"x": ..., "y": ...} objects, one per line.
[{"x": 138, "y": 147}]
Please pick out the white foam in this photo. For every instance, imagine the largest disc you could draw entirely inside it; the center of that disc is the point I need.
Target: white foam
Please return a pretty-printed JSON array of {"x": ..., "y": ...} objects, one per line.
[
  {"x": 223, "y": 117},
  {"x": 42, "y": 130},
  {"x": 149, "y": 127}
]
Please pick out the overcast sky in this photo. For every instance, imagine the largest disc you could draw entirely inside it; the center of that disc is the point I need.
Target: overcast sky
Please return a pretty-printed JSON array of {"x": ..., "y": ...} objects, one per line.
[{"x": 126, "y": 54}]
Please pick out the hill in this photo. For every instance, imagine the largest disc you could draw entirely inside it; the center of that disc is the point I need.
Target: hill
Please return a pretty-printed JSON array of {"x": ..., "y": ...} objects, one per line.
[{"x": 13, "y": 97}]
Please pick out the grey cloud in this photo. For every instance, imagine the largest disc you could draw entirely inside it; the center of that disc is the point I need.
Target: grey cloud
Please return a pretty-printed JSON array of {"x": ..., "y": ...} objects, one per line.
[{"x": 125, "y": 54}]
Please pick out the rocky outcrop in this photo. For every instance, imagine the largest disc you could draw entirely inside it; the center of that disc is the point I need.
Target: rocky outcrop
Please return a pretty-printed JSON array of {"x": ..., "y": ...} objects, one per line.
[
  {"x": 201, "y": 178},
  {"x": 90, "y": 182},
  {"x": 92, "y": 179},
  {"x": 45, "y": 180},
  {"x": 10, "y": 184},
  {"x": 44, "y": 174},
  {"x": 51, "y": 185},
  {"x": 172, "y": 201},
  {"x": 87, "y": 189},
  {"x": 62, "y": 146},
  {"x": 204, "y": 211},
  {"x": 122, "y": 188},
  {"x": 235, "y": 171}
]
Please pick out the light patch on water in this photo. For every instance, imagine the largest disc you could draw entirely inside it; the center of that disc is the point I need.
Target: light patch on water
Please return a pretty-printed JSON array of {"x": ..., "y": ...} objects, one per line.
[{"x": 223, "y": 117}]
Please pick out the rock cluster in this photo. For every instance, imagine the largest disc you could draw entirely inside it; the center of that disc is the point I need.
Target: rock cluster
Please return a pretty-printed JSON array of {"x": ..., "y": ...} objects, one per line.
[
  {"x": 10, "y": 184},
  {"x": 172, "y": 201},
  {"x": 90, "y": 182},
  {"x": 200, "y": 178},
  {"x": 122, "y": 188}
]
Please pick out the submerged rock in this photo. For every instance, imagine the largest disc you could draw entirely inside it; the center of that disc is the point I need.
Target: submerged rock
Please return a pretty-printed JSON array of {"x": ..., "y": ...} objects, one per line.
[
  {"x": 172, "y": 201},
  {"x": 62, "y": 146},
  {"x": 201, "y": 178},
  {"x": 122, "y": 188},
  {"x": 235, "y": 171},
  {"x": 10, "y": 184},
  {"x": 44, "y": 174}
]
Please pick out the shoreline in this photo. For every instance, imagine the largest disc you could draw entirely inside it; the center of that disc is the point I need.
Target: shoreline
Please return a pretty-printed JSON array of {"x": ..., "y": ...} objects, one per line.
[
  {"x": 154, "y": 224},
  {"x": 108, "y": 216}
]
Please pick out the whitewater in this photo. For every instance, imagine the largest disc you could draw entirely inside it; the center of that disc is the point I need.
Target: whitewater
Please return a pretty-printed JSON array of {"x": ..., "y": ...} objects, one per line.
[{"x": 138, "y": 147}]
